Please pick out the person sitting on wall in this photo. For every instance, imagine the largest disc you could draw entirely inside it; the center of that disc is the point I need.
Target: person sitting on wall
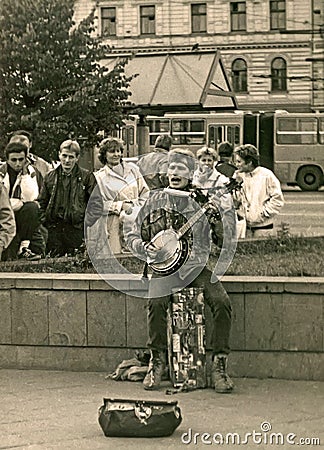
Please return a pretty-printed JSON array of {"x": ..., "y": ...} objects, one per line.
[
  {"x": 153, "y": 165},
  {"x": 23, "y": 183},
  {"x": 167, "y": 210},
  {"x": 25, "y": 137},
  {"x": 63, "y": 201},
  {"x": 225, "y": 163}
]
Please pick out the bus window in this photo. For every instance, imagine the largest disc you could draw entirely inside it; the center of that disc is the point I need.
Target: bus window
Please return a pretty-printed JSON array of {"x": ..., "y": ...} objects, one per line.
[
  {"x": 221, "y": 133},
  {"x": 297, "y": 130},
  {"x": 321, "y": 130},
  {"x": 237, "y": 136},
  {"x": 157, "y": 127},
  {"x": 188, "y": 131},
  {"x": 233, "y": 135}
]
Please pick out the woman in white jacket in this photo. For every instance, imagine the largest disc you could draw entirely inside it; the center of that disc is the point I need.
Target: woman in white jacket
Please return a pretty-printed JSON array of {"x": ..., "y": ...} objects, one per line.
[
  {"x": 207, "y": 177},
  {"x": 260, "y": 198},
  {"x": 121, "y": 191}
]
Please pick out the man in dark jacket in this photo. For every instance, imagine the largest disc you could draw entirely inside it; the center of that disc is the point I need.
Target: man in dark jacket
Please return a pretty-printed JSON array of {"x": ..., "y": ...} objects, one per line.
[
  {"x": 169, "y": 210},
  {"x": 63, "y": 201}
]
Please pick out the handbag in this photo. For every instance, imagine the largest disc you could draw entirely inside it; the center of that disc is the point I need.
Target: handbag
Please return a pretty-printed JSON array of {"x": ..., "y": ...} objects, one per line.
[{"x": 138, "y": 418}]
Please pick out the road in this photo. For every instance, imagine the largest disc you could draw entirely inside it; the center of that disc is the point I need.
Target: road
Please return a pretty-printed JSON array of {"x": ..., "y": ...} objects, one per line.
[{"x": 304, "y": 211}]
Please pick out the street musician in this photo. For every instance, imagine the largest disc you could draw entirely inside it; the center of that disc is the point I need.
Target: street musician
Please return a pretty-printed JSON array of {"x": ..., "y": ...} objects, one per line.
[{"x": 172, "y": 232}]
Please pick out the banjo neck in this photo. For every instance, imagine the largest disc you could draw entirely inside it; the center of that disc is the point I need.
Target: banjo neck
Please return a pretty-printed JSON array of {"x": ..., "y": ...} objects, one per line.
[
  {"x": 186, "y": 227},
  {"x": 218, "y": 192}
]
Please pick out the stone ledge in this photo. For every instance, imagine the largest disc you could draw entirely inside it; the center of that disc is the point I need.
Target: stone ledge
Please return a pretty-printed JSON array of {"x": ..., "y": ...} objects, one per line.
[
  {"x": 57, "y": 319},
  {"x": 130, "y": 283}
]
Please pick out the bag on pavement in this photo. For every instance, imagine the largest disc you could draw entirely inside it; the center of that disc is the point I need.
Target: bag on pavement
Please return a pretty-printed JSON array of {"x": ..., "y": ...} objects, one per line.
[{"x": 139, "y": 418}]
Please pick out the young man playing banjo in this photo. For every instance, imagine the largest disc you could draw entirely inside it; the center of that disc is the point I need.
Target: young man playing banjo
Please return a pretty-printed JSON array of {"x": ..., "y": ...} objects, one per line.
[{"x": 178, "y": 254}]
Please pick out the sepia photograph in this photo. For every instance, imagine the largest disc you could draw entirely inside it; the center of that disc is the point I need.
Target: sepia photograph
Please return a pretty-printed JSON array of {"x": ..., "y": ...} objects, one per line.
[{"x": 161, "y": 224}]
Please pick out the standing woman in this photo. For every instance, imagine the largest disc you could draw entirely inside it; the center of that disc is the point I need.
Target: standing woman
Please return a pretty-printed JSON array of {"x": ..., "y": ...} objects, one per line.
[
  {"x": 122, "y": 191},
  {"x": 261, "y": 198}
]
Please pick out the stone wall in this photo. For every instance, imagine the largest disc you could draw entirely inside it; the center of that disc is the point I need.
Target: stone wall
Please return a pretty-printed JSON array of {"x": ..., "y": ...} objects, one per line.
[{"x": 80, "y": 322}]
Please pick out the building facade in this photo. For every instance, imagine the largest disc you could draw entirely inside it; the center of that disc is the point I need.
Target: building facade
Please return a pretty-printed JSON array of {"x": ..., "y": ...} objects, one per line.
[{"x": 272, "y": 49}]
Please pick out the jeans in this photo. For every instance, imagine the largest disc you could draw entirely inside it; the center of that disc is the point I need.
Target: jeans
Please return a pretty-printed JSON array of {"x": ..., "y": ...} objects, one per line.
[
  {"x": 27, "y": 226},
  {"x": 215, "y": 297},
  {"x": 63, "y": 238}
]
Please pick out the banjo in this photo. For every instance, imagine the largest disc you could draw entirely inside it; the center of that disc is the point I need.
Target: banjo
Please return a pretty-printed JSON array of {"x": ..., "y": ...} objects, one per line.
[{"x": 172, "y": 248}]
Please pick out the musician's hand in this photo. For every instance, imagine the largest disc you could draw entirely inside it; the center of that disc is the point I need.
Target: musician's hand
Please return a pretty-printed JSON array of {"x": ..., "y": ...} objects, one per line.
[
  {"x": 213, "y": 211},
  {"x": 151, "y": 251}
]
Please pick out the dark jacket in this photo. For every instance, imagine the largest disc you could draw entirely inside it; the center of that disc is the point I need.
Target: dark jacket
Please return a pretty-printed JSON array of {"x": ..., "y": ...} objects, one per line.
[
  {"x": 160, "y": 213},
  {"x": 82, "y": 184}
]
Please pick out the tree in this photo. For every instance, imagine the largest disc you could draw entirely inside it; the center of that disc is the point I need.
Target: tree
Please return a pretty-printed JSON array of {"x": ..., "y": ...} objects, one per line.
[{"x": 51, "y": 79}]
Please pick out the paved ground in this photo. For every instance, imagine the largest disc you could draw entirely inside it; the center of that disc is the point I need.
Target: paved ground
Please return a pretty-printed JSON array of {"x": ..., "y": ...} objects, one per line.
[{"x": 58, "y": 410}]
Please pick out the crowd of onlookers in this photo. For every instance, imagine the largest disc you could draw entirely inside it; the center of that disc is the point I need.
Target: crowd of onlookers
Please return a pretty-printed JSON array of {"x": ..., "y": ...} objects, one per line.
[{"x": 46, "y": 210}]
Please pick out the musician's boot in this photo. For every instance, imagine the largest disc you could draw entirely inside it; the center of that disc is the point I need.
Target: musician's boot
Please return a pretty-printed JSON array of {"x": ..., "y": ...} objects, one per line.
[
  {"x": 155, "y": 371},
  {"x": 219, "y": 378}
]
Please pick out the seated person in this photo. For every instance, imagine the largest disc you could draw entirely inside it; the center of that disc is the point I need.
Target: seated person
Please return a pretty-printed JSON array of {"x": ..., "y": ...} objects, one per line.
[
  {"x": 63, "y": 201},
  {"x": 24, "y": 137},
  {"x": 23, "y": 182},
  {"x": 166, "y": 211}
]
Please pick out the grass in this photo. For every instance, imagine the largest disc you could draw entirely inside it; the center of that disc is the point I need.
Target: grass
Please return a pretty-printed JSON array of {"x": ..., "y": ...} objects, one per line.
[
  {"x": 288, "y": 256},
  {"x": 285, "y": 256}
]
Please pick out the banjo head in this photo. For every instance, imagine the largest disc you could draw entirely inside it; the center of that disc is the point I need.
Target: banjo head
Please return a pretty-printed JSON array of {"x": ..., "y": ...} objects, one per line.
[{"x": 172, "y": 254}]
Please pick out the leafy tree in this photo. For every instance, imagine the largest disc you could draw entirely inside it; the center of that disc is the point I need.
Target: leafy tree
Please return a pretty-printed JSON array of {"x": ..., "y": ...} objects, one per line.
[{"x": 51, "y": 80}]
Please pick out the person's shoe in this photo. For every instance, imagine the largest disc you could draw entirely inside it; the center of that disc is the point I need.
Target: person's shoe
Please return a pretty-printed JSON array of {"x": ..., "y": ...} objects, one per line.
[
  {"x": 155, "y": 371},
  {"x": 219, "y": 378},
  {"x": 27, "y": 254}
]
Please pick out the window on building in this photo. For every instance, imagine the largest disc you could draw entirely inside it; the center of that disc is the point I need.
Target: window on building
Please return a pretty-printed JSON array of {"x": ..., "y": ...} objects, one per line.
[
  {"x": 108, "y": 21},
  {"x": 199, "y": 18},
  {"x": 238, "y": 16},
  {"x": 278, "y": 75},
  {"x": 239, "y": 75},
  {"x": 277, "y": 14},
  {"x": 147, "y": 19}
]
